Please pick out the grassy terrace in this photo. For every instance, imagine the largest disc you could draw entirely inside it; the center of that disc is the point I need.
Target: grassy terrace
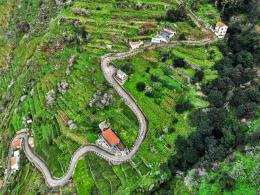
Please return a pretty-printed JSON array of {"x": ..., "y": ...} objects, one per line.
[
  {"x": 207, "y": 12},
  {"x": 37, "y": 66}
]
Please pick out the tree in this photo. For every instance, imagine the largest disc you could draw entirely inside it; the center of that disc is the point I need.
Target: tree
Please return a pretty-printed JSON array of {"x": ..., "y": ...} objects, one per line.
[
  {"x": 176, "y": 15},
  {"x": 196, "y": 141},
  {"x": 215, "y": 98},
  {"x": 182, "y": 37},
  {"x": 128, "y": 69},
  {"x": 196, "y": 6},
  {"x": 199, "y": 75},
  {"x": 155, "y": 78},
  {"x": 24, "y": 27},
  {"x": 227, "y": 182},
  {"x": 253, "y": 138},
  {"x": 254, "y": 176},
  {"x": 179, "y": 62},
  {"x": 184, "y": 106},
  {"x": 247, "y": 110},
  {"x": 245, "y": 58},
  {"x": 190, "y": 156},
  {"x": 140, "y": 86}
]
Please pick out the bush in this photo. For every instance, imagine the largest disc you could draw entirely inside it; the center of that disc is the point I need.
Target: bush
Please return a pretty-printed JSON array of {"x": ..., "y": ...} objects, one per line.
[
  {"x": 227, "y": 182},
  {"x": 154, "y": 78},
  {"x": 215, "y": 98},
  {"x": 182, "y": 37},
  {"x": 199, "y": 75},
  {"x": 140, "y": 86},
  {"x": 128, "y": 69},
  {"x": 176, "y": 15},
  {"x": 182, "y": 107},
  {"x": 179, "y": 62}
]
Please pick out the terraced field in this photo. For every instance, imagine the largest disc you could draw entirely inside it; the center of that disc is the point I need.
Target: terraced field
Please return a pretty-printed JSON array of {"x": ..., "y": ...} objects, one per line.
[{"x": 39, "y": 60}]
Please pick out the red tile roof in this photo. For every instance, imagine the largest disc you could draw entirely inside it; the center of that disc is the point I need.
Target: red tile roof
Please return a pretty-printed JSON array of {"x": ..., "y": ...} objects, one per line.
[
  {"x": 220, "y": 24},
  {"x": 13, "y": 161},
  {"x": 110, "y": 136},
  {"x": 17, "y": 143}
]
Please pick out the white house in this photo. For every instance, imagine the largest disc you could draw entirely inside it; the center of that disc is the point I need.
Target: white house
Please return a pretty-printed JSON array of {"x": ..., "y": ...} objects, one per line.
[
  {"x": 170, "y": 31},
  {"x": 135, "y": 44},
  {"x": 31, "y": 142},
  {"x": 14, "y": 161},
  {"x": 103, "y": 125},
  {"x": 156, "y": 39},
  {"x": 121, "y": 76},
  {"x": 162, "y": 37},
  {"x": 221, "y": 30}
]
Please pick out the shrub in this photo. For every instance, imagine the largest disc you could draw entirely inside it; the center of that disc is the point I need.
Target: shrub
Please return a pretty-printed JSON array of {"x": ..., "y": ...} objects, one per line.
[
  {"x": 199, "y": 75},
  {"x": 182, "y": 107},
  {"x": 176, "y": 15},
  {"x": 140, "y": 86},
  {"x": 128, "y": 69},
  {"x": 182, "y": 37},
  {"x": 179, "y": 62},
  {"x": 154, "y": 78},
  {"x": 227, "y": 182}
]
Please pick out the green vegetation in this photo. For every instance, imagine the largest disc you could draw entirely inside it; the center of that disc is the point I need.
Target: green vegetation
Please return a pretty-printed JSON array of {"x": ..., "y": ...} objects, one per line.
[
  {"x": 48, "y": 44},
  {"x": 244, "y": 168},
  {"x": 205, "y": 11},
  {"x": 223, "y": 131},
  {"x": 43, "y": 45}
]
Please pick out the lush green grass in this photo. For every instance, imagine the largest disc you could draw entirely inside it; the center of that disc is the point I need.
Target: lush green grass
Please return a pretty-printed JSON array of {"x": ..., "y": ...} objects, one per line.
[
  {"x": 82, "y": 178},
  {"x": 207, "y": 12}
]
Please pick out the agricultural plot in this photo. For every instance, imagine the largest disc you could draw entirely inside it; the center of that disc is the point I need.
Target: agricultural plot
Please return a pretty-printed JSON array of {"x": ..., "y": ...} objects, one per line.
[
  {"x": 203, "y": 57},
  {"x": 207, "y": 12}
]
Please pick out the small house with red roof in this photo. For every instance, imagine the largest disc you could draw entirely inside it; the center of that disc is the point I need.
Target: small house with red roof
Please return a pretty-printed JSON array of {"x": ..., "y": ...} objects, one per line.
[
  {"x": 110, "y": 137},
  {"x": 17, "y": 144},
  {"x": 135, "y": 44},
  {"x": 14, "y": 161},
  {"x": 221, "y": 30}
]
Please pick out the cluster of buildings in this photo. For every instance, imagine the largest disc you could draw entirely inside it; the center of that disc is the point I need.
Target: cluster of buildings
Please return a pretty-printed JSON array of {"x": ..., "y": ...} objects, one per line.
[
  {"x": 164, "y": 36},
  {"x": 168, "y": 32},
  {"x": 110, "y": 141},
  {"x": 15, "y": 158}
]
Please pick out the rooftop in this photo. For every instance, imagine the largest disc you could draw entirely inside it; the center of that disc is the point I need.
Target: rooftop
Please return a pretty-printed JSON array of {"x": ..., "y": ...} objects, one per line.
[
  {"x": 13, "y": 161},
  {"x": 120, "y": 72},
  {"x": 17, "y": 143},
  {"x": 135, "y": 42},
  {"x": 110, "y": 136},
  {"x": 220, "y": 24}
]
